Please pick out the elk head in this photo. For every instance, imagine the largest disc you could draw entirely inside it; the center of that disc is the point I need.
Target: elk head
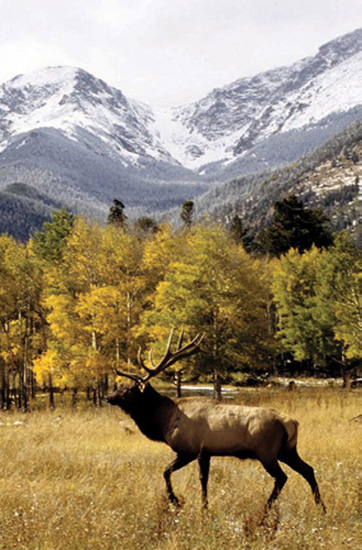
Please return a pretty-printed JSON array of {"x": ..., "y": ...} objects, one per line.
[{"x": 128, "y": 397}]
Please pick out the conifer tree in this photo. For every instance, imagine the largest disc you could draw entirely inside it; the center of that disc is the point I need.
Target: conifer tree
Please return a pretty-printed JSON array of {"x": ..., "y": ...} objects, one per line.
[
  {"x": 187, "y": 213},
  {"x": 48, "y": 244},
  {"x": 294, "y": 226},
  {"x": 238, "y": 232},
  {"x": 145, "y": 226},
  {"x": 116, "y": 215}
]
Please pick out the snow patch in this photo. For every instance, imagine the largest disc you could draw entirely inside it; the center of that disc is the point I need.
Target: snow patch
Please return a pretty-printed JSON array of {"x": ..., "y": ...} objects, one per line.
[{"x": 221, "y": 127}]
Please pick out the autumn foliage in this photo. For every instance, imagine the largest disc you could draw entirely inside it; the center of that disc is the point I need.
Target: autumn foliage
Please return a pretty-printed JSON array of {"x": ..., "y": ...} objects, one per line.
[{"x": 80, "y": 298}]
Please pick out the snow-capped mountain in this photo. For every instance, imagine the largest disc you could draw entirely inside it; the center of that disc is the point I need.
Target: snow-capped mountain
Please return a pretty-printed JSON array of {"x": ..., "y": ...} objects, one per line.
[
  {"x": 231, "y": 120},
  {"x": 68, "y": 137},
  {"x": 77, "y": 103},
  {"x": 77, "y": 140}
]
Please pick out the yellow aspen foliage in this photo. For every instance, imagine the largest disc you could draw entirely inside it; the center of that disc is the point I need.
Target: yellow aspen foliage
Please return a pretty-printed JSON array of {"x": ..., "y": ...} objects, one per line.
[
  {"x": 159, "y": 252},
  {"x": 50, "y": 363},
  {"x": 213, "y": 287},
  {"x": 294, "y": 287}
]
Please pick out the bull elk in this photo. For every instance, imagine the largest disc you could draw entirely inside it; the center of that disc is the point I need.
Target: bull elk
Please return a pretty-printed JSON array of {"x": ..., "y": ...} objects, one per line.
[{"x": 198, "y": 428}]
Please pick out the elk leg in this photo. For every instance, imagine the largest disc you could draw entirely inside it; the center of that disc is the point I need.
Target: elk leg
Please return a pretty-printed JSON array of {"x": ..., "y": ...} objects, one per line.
[
  {"x": 298, "y": 465},
  {"x": 280, "y": 479},
  {"x": 179, "y": 462},
  {"x": 204, "y": 465}
]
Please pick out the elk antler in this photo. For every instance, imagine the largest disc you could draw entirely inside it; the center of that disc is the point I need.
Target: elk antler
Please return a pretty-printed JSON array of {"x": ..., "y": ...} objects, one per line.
[
  {"x": 134, "y": 377},
  {"x": 167, "y": 360},
  {"x": 169, "y": 357}
]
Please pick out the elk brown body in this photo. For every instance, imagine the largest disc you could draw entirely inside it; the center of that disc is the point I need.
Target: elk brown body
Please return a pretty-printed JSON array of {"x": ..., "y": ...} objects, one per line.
[{"x": 197, "y": 428}]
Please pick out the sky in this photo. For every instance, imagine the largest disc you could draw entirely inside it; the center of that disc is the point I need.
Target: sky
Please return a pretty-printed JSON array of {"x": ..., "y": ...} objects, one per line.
[{"x": 168, "y": 52}]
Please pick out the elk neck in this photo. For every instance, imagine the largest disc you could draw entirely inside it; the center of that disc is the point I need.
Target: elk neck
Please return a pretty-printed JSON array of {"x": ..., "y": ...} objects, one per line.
[{"x": 152, "y": 413}]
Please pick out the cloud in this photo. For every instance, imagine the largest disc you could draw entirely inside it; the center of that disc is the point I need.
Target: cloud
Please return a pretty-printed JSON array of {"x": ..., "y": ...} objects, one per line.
[
  {"x": 18, "y": 57},
  {"x": 164, "y": 51}
]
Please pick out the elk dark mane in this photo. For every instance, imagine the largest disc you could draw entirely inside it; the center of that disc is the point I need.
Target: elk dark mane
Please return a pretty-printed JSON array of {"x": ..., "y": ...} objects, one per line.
[{"x": 149, "y": 412}]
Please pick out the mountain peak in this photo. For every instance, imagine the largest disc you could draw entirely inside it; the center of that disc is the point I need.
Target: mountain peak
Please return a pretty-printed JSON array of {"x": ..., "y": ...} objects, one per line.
[
  {"x": 56, "y": 76},
  {"x": 83, "y": 107},
  {"x": 232, "y": 120},
  {"x": 345, "y": 45}
]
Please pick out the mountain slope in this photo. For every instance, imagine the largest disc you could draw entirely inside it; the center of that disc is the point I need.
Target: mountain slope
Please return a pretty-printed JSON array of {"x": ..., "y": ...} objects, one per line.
[
  {"x": 313, "y": 94},
  {"x": 329, "y": 177},
  {"x": 74, "y": 101},
  {"x": 23, "y": 210},
  {"x": 83, "y": 143},
  {"x": 80, "y": 143}
]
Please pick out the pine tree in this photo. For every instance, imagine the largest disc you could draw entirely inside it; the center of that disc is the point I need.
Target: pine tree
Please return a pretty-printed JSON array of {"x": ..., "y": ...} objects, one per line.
[
  {"x": 145, "y": 226},
  {"x": 238, "y": 232},
  {"x": 294, "y": 226},
  {"x": 48, "y": 244},
  {"x": 187, "y": 213},
  {"x": 116, "y": 214}
]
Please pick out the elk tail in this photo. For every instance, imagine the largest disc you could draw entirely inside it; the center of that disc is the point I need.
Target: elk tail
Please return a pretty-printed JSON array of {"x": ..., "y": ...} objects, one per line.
[{"x": 291, "y": 428}]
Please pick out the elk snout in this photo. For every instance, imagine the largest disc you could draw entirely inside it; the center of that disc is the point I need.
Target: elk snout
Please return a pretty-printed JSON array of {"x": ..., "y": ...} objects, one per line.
[{"x": 111, "y": 399}]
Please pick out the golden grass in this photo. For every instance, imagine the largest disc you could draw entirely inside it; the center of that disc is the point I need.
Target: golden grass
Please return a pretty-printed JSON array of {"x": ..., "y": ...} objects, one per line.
[{"x": 81, "y": 481}]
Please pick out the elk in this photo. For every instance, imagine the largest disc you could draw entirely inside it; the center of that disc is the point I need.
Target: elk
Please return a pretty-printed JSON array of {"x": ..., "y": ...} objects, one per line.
[{"x": 197, "y": 428}]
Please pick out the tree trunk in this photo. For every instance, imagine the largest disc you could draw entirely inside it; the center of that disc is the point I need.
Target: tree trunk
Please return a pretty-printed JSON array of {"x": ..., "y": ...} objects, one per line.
[
  {"x": 7, "y": 392},
  {"x": 95, "y": 396},
  {"x": 105, "y": 384},
  {"x": 74, "y": 397},
  {"x": 346, "y": 374},
  {"x": 24, "y": 387},
  {"x": 178, "y": 379},
  {"x": 51, "y": 393},
  {"x": 16, "y": 390},
  {"x": 25, "y": 398},
  {"x": 94, "y": 340},
  {"x": 32, "y": 385},
  {"x": 217, "y": 387},
  {"x": 129, "y": 324},
  {"x": 100, "y": 392},
  {"x": 2, "y": 385}
]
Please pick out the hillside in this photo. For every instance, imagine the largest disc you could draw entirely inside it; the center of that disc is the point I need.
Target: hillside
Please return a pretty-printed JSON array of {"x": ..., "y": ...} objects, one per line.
[{"x": 329, "y": 177}]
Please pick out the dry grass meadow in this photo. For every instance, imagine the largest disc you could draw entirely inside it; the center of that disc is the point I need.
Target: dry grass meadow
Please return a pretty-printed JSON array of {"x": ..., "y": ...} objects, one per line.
[{"x": 84, "y": 481}]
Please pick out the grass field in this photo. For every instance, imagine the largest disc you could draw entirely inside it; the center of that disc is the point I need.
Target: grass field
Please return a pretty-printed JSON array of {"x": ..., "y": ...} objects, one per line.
[{"x": 85, "y": 481}]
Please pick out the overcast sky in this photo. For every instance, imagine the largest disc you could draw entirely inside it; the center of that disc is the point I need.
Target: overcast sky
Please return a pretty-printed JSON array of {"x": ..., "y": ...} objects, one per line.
[{"x": 168, "y": 52}]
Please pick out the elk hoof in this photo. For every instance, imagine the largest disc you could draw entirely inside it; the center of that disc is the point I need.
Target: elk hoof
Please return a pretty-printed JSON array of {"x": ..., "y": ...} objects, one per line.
[
  {"x": 177, "y": 503},
  {"x": 319, "y": 501},
  {"x": 323, "y": 506}
]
